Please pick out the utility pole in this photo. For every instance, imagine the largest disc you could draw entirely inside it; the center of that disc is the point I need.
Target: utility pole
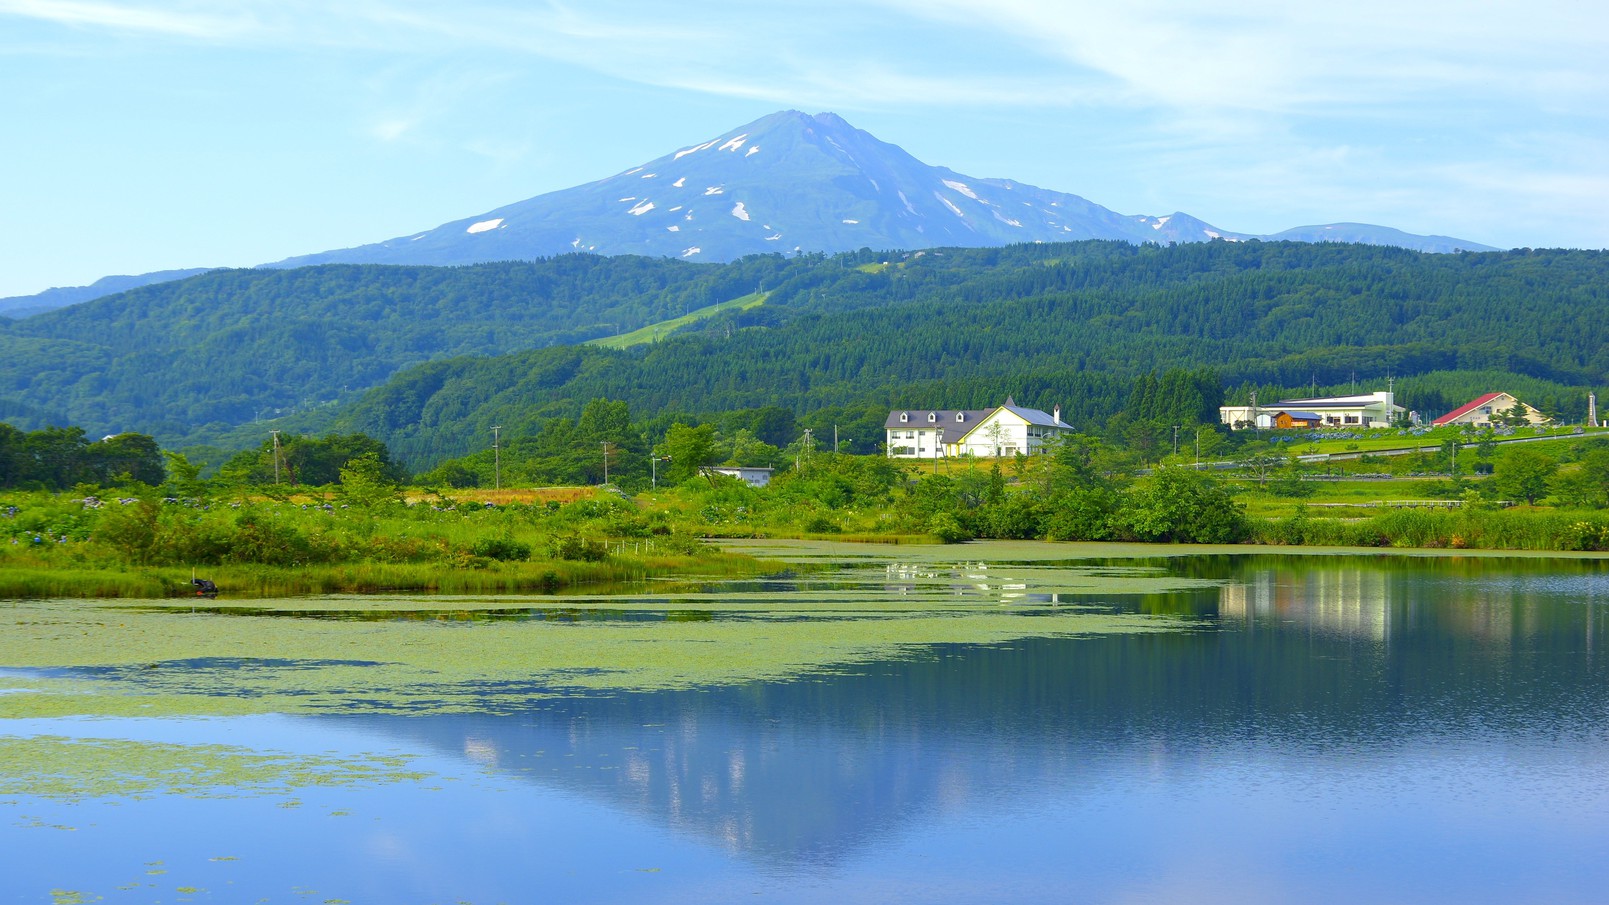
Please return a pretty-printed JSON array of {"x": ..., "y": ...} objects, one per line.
[
  {"x": 1198, "y": 447},
  {"x": 835, "y": 438},
  {"x": 1176, "y": 439},
  {"x": 497, "y": 457},
  {"x": 276, "y": 455},
  {"x": 606, "y": 461},
  {"x": 653, "y": 470}
]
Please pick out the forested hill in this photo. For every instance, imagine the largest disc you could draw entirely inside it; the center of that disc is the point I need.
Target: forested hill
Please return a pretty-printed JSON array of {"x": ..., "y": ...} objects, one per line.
[
  {"x": 187, "y": 358},
  {"x": 1069, "y": 324},
  {"x": 187, "y": 361}
]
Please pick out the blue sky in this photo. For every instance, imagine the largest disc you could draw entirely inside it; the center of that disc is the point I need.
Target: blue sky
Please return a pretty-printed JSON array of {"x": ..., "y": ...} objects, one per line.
[{"x": 170, "y": 133}]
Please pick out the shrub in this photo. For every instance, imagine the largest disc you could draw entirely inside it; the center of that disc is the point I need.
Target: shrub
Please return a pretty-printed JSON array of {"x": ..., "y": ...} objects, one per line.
[
  {"x": 947, "y": 529},
  {"x": 574, "y": 547},
  {"x": 504, "y": 549},
  {"x": 820, "y": 524}
]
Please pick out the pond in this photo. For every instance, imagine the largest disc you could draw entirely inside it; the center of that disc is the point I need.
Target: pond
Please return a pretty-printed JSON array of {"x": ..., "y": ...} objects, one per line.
[{"x": 983, "y": 723}]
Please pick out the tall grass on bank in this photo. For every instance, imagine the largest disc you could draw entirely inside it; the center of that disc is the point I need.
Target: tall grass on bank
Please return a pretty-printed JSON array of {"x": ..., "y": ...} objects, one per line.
[
  {"x": 253, "y": 581},
  {"x": 1472, "y": 529}
]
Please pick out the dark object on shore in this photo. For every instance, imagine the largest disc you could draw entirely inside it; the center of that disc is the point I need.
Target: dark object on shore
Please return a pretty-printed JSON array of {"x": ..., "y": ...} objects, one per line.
[{"x": 205, "y": 588}]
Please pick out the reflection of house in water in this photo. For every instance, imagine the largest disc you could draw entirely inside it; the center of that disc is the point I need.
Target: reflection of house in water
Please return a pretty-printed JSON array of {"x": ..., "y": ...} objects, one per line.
[
  {"x": 961, "y": 580},
  {"x": 1484, "y": 600},
  {"x": 1347, "y": 601}
]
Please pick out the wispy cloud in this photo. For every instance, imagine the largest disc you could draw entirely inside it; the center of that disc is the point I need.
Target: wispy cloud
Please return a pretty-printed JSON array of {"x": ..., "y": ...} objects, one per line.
[
  {"x": 1279, "y": 56},
  {"x": 127, "y": 18}
]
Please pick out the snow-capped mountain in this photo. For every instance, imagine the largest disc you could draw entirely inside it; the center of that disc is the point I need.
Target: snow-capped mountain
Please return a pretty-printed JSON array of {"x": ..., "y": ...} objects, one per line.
[
  {"x": 793, "y": 182},
  {"x": 786, "y": 182}
]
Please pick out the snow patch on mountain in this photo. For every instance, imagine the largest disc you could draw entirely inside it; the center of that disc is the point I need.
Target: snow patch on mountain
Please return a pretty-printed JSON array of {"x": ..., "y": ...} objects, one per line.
[
  {"x": 962, "y": 188},
  {"x": 703, "y": 147},
  {"x": 739, "y": 211},
  {"x": 947, "y": 203},
  {"x": 484, "y": 225},
  {"x": 691, "y": 251},
  {"x": 852, "y": 222},
  {"x": 735, "y": 143},
  {"x": 641, "y": 209},
  {"x": 1007, "y": 220},
  {"x": 753, "y": 150},
  {"x": 714, "y": 190},
  {"x": 679, "y": 183}
]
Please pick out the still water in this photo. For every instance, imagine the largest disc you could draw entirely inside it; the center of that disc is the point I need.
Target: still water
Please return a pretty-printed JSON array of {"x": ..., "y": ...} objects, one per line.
[{"x": 1298, "y": 729}]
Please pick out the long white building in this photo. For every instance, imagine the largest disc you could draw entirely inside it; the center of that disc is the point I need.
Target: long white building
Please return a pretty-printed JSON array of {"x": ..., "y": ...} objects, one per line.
[{"x": 1365, "y": 410}]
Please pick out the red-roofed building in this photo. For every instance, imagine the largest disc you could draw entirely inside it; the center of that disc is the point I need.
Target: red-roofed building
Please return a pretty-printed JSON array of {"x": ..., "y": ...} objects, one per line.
[{"x": 1493, "y": 408}]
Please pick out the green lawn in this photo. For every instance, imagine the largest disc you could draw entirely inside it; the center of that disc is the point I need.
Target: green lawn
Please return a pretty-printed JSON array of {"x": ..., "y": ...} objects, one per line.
[
  {"x": 1391, "y": 439},
  {"x": 1354, "y": 497},
  {"x": 655, "y": 332}
]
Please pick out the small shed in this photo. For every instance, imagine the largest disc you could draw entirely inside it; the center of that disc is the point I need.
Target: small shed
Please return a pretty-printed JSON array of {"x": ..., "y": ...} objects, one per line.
[
  {"x": 1286, "y": 420},
  {"x": 752, "y": 476}
]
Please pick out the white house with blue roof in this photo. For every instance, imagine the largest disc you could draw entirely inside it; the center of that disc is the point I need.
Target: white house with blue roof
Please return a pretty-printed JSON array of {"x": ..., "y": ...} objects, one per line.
[{"x": 1001, "y": 431}]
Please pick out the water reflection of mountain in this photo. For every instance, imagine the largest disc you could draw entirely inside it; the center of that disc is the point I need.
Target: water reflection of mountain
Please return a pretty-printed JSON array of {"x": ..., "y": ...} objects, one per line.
[{"x": 1336, "y": 658}]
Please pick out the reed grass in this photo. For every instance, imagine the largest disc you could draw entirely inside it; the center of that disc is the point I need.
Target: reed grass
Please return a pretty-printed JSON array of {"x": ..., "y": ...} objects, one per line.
[{"x": 257, "y": 581}]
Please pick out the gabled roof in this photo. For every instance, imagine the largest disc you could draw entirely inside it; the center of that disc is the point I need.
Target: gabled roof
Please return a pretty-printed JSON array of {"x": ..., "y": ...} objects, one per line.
[
  {"x": 951, "y": 430},
  {"x": 954, "y": 430},
  {"x": 1468, "y": 407},
  {"x": 1035, "y": 416},
  {"x": 1300, "y": 416}
]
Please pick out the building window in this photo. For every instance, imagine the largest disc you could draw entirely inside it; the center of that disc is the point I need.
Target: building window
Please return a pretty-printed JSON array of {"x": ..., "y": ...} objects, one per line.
[
  {"x": 960, "y": 416},
  {"x": 932, "y": 416},
  {"x": 904, "y": 417}
]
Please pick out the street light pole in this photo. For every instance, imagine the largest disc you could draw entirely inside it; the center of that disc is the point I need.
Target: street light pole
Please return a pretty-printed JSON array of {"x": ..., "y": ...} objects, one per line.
[{"x": 497, "y": 457}]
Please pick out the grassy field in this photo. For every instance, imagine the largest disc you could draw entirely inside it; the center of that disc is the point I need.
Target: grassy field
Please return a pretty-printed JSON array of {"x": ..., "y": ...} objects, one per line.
[
  {"x": 654, "y": 332},
  {"x": 1378, "y": 441},
  {"x": 1343, "y": 499}
]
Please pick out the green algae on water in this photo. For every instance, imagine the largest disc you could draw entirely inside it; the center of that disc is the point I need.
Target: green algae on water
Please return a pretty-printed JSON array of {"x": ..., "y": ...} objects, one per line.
[
  {"x": 72, "y": 769},
  {"x": 413, "y": 654},
  {"x": 98, "y": 660}
]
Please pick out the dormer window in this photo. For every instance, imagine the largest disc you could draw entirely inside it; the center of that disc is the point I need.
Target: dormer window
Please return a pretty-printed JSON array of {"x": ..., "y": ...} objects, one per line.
[
  {"x": 904, "y": 417},
  {"x": 960, "y": 416},
  {"x": 932, "y": 416}
]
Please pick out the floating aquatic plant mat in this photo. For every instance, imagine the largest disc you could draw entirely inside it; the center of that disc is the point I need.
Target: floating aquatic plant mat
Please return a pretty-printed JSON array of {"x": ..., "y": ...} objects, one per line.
[
  {"x": 494, "y": 654},
  {"x": 60, "y": 767}
]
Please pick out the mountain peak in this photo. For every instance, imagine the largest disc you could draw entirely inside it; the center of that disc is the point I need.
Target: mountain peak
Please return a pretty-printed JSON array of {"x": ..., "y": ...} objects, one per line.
[{"x": 789, "y": 182}]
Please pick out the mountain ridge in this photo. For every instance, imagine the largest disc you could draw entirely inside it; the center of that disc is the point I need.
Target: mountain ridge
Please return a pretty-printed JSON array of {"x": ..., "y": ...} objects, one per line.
[{"x": 794, "y": 182}]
